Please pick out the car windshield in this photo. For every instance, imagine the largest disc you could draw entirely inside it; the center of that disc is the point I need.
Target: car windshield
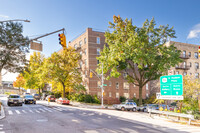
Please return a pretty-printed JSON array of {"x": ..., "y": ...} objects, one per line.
[
  {"x": 29, "y": 96},
  {"x": 36, "y": 94},
  {"x": 14, "y": 96}
]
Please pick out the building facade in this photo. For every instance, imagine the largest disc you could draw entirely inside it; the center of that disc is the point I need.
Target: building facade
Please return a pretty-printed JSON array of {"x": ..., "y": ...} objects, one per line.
[{"x": 89, "y": 44}]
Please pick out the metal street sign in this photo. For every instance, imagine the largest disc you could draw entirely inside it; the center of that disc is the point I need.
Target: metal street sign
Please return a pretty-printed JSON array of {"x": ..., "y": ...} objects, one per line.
[
  {"x": 171, "y": 85},
  {"x": 104, "y": 84},
  {"x": 159, "y": 96}
]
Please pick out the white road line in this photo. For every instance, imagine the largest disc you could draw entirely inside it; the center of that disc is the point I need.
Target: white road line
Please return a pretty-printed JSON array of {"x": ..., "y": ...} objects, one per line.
[
  {"x": 31, "y": 111},
  {"x": 58, "y": 109},
  {"x": 37, "y": 111},
  {"x": 10, "y": 112},
  {"x": 42, "y": 110},
  {"x": 24, "y": 111},
  {"x": 17, "y": 111},
  {"x": 48, "y": 110}
]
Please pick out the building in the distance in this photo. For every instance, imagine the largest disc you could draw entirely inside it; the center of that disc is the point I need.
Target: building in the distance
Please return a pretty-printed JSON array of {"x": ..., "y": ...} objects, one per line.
[{"x": 89, "y": 44}]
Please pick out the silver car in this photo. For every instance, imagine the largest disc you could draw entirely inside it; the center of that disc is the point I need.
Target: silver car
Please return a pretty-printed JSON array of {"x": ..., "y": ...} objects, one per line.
[
  {"x": 126, "y": 106},
  {"x": 14, "y": 99}
]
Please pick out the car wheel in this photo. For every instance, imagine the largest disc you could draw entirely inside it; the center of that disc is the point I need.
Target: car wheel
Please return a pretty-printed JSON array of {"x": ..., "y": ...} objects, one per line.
[
  {"x": 8, "y": 104},
  {"x": 122, "y": 109},
  {"x": 21, "y": 104},
  {"x": 134, "y": 109}
]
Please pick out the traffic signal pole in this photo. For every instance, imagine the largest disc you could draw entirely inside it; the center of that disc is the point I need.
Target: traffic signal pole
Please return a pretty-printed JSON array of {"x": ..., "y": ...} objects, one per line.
[{"x": 102, "y": 90}]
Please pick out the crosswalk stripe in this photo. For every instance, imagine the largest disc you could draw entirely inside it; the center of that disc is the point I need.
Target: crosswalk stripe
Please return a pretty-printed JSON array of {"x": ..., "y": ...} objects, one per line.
[
  {"x": 17, "y": 111},
  {"x": 31, "y": 111},
  {"x": 48, "y": 110},
  {"x": 37, "y": 111},
  {"x": 10, "y": 112},
  {"x": 58, "y": 109},
  {"x": 24, "y": 111},
  {"x": 42, "y": 110}
]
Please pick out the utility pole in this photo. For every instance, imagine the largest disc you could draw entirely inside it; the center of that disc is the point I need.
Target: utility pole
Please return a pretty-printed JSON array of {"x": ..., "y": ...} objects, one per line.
[{"x": 102, "y": 90}]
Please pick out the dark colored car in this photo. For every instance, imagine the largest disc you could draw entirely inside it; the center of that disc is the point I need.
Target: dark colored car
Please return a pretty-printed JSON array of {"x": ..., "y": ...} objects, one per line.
[
  {"x": 36, "y": 96},
  {"x": 142, "y": 107},
  {"x": 14, "y": 99},
  {"x": 52, "y": 98},
  {"x": 29, "y": 99}
]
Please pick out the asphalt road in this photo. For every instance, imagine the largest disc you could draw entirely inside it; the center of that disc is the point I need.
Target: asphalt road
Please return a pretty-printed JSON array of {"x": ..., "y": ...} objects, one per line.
[{"x": 56, "y": 119}]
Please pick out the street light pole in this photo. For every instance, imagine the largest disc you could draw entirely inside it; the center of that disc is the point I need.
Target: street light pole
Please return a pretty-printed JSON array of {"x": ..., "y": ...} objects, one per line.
[
  {"x": 102, "y": 90},
  {"x": 15, "y": 20}
]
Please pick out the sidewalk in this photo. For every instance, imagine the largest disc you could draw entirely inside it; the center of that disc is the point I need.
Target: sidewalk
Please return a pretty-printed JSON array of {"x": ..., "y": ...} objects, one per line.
[
  {"x": 141, "y": 118},
  {"x": 88, "y": 105}
]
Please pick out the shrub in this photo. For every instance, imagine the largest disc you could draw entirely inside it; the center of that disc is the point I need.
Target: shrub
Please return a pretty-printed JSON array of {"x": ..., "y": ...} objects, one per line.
[
  {"x": 88, "y": 99},
  {"x": 7, "y": 93},
  {"x": 96, "y": 100},
  {"x": 122, "y": 99}
]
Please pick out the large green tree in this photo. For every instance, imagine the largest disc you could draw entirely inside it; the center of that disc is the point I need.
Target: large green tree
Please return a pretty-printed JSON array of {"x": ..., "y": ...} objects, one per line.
[
  {"x": 13, "y": 47},
  {"x": 62, "y": 68},
  {"x": 138, "y": 51}
]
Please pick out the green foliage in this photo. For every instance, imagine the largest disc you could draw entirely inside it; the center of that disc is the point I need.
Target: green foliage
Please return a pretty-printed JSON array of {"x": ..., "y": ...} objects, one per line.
[
  {"x": 141, "y": 49},
  {"x": 7, "y": 93},
  {"x": 13, "y": 46},
  {"x": 86, "y": 98},
  {"x": 122, "y": 99}
]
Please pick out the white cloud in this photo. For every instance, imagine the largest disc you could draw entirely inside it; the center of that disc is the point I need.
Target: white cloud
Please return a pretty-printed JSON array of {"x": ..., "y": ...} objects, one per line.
[
  {"x": 3, "y": 16},
  {"x": 194, "y": 32}
]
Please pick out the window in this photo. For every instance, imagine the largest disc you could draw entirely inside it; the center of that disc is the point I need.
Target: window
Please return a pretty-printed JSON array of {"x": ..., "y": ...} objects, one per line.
[
  {"x": 85, "y": 51},
  {"x": 134, "y": 94},
  {"x": 85, "y": 62},
  {"x": 189, "y": 54},
  {"x": 177, "y": 72},
  {"x": 98, "y": 40},
  {"x": 81, "y": 53},
  {"x": 184, "y": 64},
  {"x": 85, "y": 73},
  {"x": 133, "y": 85},
  {"x": 117, "y": 85},
  {"x": 196, "y": 55},
  {"x": 80, "y": 43},
  {"x": 196, "y": 65},
  {"x": 117, "y": 95},
  {"x": 110, "y": 95},
  {"x": 75, "y": 46},
  {"x": 185, "y": 73},
  {"x": 98, "y": 94},
  {"x": 125, "y": 75},
  {"x": 84, "y": 40},
  {"x": 99, "y": 84},
  {"x": 97, "y": 62},
  {"x": 126, "y": 85},
  {"x": 147, "y": 95},
  {"x": 147, "y": 86},
  {"x": 126, "y": 95},
  {"x": 196, "y": 75},
  {"x": 98, "y": 51},
  {"x": 184, "y": 53},
  {"x": 110, "y": 83},
  {"x": 190, "y": 64},
  {"x": 86, "y": 86}
]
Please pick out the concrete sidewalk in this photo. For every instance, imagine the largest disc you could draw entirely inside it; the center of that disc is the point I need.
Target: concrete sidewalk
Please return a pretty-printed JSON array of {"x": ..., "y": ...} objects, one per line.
[{"x": 139, "y": 117}]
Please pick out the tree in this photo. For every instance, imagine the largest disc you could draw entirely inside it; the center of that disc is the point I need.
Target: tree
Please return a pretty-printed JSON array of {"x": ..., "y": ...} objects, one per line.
[
  {"x": 62, "y": 68},
  {"x": 140, "y": 52},
  {"x": 20, "y": 82},
  {"x": 13, "y": 46},
  {"x": 35, "y": 74}
]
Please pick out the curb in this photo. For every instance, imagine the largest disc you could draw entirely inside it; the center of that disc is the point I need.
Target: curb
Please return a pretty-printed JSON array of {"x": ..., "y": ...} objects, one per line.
[{"x": 2, "y": 113}]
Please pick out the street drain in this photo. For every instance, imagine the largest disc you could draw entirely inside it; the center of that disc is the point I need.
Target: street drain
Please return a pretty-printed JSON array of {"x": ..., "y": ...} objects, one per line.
[{"x": 42, "y": 120}]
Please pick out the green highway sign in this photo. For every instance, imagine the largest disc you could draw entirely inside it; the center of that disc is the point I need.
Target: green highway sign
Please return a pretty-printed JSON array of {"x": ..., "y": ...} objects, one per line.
[
  {"x": 171, "y": 85},
  {"x": 104, "y": 84}
]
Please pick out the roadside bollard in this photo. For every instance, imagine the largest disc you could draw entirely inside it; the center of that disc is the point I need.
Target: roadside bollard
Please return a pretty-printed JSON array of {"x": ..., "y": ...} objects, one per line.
[{"x": 48, "y": 101}]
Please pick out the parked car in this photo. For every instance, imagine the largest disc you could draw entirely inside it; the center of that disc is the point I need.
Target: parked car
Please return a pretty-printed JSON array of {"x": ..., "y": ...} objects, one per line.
[
  {"x": 36, "y": 96},
  {"x": 14, "y": 99},
  {"x": 29, "y": 99},
  {"x": 128, "y": 105},
  {"x": 63, "y": 101},
  {"x": 142, "y": 107},
  {"x": 52, "y": 98},
  {"x": 152, "y": 106}
]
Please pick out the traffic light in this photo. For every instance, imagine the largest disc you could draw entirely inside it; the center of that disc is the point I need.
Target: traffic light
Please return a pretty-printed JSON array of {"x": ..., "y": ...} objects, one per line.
[
  {"x": 199, "y": 51},
  {"x": 91, "y": 74},
  {"x": 62, "y": 40}
]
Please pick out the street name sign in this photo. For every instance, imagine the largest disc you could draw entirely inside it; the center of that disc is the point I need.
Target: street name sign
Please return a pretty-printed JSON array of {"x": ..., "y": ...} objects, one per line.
[
  {"x": 171, "y": 85},
  {"x": 159, "y": 96}
]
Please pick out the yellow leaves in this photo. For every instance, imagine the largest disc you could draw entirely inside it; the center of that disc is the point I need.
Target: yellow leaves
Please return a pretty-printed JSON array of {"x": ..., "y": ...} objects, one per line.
[{"x": 20, "y": 81}]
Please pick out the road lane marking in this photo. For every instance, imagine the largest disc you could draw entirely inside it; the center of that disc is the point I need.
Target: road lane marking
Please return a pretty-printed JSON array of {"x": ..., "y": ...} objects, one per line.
[
  {"x": 58, "y": 109},
  {"x": 31, "y": 111},
  {"x": 37, "y": 111},
  {"x": 10, "y": 112},
  {"x": 17, "y": 111},
  {"x": 48, "y": 110},
  {"x": 42, "y": 110},
  {"x": 24, "y": 111}
]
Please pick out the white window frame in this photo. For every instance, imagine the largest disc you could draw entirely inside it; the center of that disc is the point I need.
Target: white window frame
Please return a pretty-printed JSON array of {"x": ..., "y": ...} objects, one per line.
[
  {"x": 98, "y": 40},
  {"x": 126, "y": 85},
  {"x": 110, "y": 94},
  {"x": 117, "y": 85},
  {"x": 98, "y": 51},
  {"x": 117, "y": 94}
]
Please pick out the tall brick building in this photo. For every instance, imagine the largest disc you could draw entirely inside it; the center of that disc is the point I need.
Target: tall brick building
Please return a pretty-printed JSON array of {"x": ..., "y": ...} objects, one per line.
[{"x": 89, "y": 44}]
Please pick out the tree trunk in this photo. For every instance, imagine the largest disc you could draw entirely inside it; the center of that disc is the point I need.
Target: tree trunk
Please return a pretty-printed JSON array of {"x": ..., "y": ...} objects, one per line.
[
  {"x": 39, "y": 92},
  {"x": 199, "y": 102},
  {"x": 0, "y": 78},
  {"x": 140, "y": 95},
  {"x": 63, "y": 95}
]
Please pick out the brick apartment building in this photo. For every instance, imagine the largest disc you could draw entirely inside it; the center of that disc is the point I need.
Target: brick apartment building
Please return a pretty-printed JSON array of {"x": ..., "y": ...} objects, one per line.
[{"x": 89, "y": 44}]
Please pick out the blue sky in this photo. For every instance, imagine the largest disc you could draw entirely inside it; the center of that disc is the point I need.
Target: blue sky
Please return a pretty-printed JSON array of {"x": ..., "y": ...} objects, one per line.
[{"x": 76, "y": 15}]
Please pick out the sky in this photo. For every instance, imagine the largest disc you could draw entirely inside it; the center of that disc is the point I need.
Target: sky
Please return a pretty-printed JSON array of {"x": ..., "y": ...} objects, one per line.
[{"x": 76, "y": 15}]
